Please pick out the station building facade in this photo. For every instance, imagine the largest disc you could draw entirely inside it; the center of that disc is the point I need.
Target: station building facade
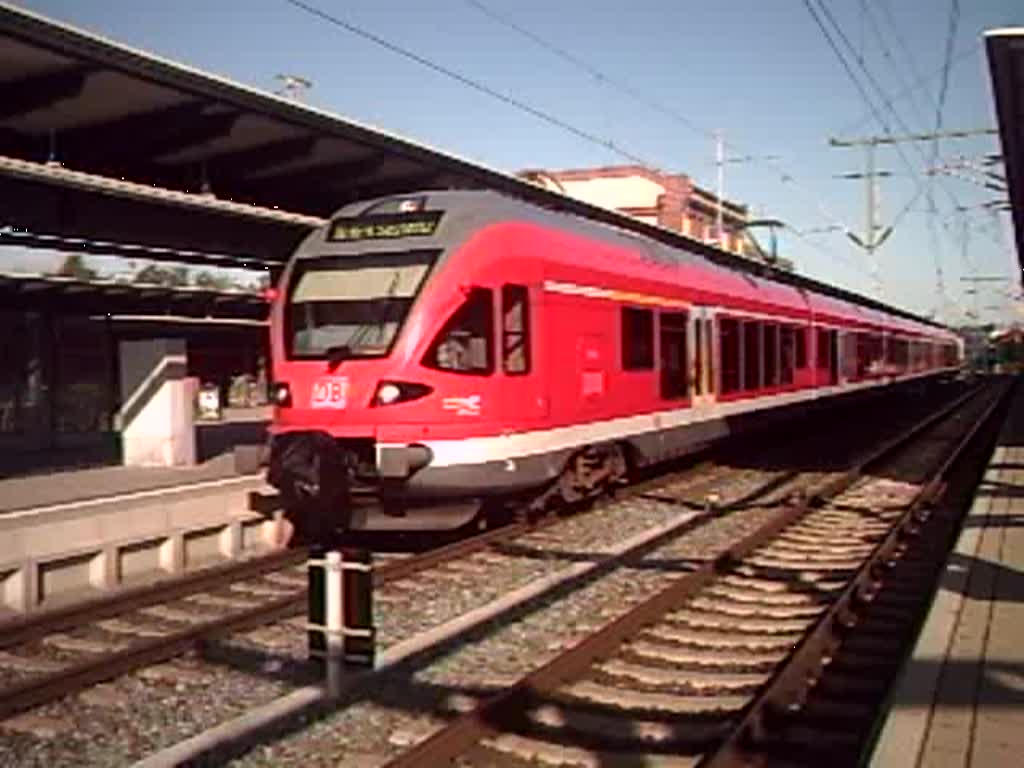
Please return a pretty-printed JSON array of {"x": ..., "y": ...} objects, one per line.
[
  {"x": 61, "y": 363},
  {"x": 669, "y": 200}
]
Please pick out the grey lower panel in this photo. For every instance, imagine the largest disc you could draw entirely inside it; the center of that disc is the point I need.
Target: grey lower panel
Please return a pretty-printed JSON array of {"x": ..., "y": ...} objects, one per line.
[
  {"x": 492, "y": 478},
  {"x": 438, "y": 498},
  {"x": 505, "y": 477}
]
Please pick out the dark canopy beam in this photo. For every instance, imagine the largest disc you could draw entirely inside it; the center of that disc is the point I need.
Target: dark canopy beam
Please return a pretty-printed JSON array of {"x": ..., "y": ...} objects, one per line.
[
  {"x": 102, "y": 139},
  {"x": 325, "y": 174},
  {"x": 51, "y": 209},
  {"x": 316, "y": 189},
  {"x": 1006, "y": 64},
  {"x": 245, "y": 162},
  {"x": 195, "y": 133},
  {"x": 395, "y": 185},
  {"x": 40, "y": 91}
]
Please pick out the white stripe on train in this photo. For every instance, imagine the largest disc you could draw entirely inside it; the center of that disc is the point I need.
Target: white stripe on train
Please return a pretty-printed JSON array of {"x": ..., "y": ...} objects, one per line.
[{"x": 478, "y": 450}]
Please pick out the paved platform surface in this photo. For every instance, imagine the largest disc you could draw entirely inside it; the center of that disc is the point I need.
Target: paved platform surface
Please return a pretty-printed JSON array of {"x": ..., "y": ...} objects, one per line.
[
  {"x": 215, "y": 444},
  {"x": 960, "y": 700}
]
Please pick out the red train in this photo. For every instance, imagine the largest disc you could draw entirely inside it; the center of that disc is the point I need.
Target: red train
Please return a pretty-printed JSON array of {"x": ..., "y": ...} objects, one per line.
[{"x": 435, "y": 350}]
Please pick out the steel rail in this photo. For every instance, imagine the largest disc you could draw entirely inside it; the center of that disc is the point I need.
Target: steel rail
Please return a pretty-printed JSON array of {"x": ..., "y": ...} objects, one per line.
[
  {"x": 34, "y": 626},
  {"x": 48, "y": 687},
  {"x": 44, "y": 688},
  {"x": 24, "y": 629},
  {"x": 508, "y": 706},
  {"x": 786, "y": 692}
]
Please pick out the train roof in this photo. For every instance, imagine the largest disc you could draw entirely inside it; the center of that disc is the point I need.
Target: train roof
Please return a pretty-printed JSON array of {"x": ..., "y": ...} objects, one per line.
[{"x": 465, "y": 211}]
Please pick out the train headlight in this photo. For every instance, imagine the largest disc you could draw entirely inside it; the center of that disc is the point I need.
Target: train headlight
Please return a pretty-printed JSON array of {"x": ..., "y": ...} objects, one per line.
[
  {"x": 281, "y": 394},
  {"x": 391, "y": 392},
  {"x": 388, "y": 393}
]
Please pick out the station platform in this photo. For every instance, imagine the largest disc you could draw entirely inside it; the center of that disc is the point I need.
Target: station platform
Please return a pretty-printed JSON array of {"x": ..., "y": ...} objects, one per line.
[
  {"x": 960, "y": 698},
  {"x": 74, "y": 534},
  {"x": 215, "y": 442}
]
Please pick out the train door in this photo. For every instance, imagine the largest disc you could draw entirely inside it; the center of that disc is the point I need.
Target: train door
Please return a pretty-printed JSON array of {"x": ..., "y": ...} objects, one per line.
[
  {"x": 519, "y": 314},
  {"x": 592, "y": 359},
  {"x": 703, "y": 357}
]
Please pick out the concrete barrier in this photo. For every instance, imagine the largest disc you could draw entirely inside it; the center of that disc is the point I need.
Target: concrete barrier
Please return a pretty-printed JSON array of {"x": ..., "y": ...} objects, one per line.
[{"x": 54, "y": 554}]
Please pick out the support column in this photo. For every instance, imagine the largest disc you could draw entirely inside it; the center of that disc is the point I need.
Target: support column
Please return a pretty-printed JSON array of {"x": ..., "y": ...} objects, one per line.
[{"x": 156, "y": 420}]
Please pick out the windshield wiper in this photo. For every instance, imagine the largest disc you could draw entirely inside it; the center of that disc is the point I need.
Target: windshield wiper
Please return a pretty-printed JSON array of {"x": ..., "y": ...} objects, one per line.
[{"x": 337, "y": 354}]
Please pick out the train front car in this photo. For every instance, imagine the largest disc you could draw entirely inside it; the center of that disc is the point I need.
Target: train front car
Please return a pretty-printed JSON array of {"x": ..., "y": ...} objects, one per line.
[{"x": 383, "y": 349}]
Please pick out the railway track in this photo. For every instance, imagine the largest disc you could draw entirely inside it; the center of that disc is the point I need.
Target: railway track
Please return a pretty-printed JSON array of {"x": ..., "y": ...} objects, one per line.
[
  {"x": 708, "y": 670},
  {"x": 279, "y": 595},
  {"x": 47, "y": 656}
]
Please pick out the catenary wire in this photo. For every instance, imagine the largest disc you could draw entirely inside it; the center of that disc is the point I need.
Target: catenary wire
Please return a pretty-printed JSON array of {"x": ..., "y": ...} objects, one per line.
[
  {"x": 469, "y": 82},
  {"x": 785, "y": 177}
]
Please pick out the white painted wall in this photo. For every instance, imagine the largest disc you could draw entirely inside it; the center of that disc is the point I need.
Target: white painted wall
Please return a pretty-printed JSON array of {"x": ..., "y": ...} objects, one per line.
[
  {"x": 624, "y": 192},
  {"x": 156, "y": 418}
]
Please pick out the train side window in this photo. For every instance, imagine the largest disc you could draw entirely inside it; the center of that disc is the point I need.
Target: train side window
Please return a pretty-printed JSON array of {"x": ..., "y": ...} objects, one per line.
[
  {"x": 698, "y": 357},
  {"x": 848, "y": 346},
  {"x": 465, "y": 344},
  {"x": 515, "y": 329},
  {"x": 672, "y": 351},
  {"x": 800, "y": 335},
  {"x": 751, "y": 354},
  {"x": 904, "y": 352},
  {"x": 709, "y": 358},
  {"x": 824, "y": 355},
  {"x": 877, "y": 363},
  {"x": 861, "y": 355},
  {"x": 900, "y": 354},
  {"x": 833, "y": 357},
  {"x": 787, "y": 336},
  {"x": 637, "y": 339},
  {"x": 729, "y": 349},
  {"x": 771, "y": 355}
]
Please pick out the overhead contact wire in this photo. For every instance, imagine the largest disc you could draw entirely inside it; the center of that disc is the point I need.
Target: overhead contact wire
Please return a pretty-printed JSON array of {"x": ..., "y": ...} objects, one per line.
[{"x": 470, "y": 82}]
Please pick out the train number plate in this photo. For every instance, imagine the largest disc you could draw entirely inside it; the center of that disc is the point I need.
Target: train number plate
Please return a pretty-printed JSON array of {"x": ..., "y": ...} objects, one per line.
[{"x": 330, "y": 392}]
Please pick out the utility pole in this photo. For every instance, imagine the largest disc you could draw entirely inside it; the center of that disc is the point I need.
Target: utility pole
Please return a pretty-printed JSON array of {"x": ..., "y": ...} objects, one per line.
[
  {"x": 875, "y": 234},
  {"x": 720, "y": 192},
  {"x": 720, "y": 162},
  {"x": 873, "y": 238}
]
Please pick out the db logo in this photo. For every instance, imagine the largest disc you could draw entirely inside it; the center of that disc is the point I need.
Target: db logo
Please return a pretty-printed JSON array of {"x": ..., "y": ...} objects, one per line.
[
  {"x": 331, "y": 392},
  {"x": 463, "y": 406}
]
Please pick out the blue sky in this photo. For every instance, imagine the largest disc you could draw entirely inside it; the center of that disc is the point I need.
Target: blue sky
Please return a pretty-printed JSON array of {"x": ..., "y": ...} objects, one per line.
[{"x": 761, "y": 72}]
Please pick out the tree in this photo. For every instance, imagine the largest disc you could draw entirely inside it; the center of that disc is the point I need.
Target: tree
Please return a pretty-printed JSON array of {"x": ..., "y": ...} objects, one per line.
[
  {"x": 213, "y": 282},
  {"x": 154, "y": 274},
  {"x": 75, "y": 266}
]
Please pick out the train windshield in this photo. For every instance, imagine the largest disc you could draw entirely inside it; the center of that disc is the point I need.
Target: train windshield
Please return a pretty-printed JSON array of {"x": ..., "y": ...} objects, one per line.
[{"x": 352, "y": 306}]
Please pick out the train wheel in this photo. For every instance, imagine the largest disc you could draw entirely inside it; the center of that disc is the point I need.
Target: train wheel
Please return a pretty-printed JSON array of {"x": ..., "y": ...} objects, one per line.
[
  {"x": 618, "y": 465},
  {"x": 592, "y": 471},
  {"x": 572, "y": 483}
]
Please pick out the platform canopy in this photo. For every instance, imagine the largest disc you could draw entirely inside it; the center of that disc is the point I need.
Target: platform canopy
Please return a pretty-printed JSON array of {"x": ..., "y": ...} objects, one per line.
[
  {"x": 79, "y": 115},
  {"x": 110, "y": 297},
  {"x": 100, "y": 142},
  {"x": 1006, "y": 63}
]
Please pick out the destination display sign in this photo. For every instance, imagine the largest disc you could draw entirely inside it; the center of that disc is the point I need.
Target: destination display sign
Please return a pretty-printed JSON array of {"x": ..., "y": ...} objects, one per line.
[{"x": 383, "y": 226}]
